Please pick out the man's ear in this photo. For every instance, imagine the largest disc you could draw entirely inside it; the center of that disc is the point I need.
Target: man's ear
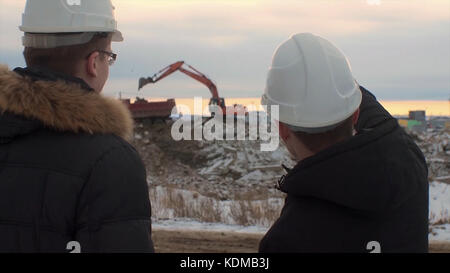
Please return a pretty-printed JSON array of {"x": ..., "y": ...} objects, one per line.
[
  {"x": 284, "y": 131},
  {"x": 91, "y": 65},
  {"x": 355, "y": 117}
]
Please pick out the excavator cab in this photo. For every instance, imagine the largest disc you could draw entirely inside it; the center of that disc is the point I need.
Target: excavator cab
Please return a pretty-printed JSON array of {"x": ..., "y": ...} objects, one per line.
[{"x": 217, "y": 101}]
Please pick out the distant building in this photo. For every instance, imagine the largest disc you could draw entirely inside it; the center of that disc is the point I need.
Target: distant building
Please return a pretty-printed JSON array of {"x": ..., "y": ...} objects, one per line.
[
  {"x": 420, "y": 118},
  {"x": 412, "y": 125},
  {"x": 415, "y": 122},
  {"x": 403, "y": 122},
  {"x": 417, "y": 115}
]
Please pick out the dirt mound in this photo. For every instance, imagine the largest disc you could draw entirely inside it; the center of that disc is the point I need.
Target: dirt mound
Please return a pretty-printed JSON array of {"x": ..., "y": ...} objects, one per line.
[
  {"x": 239, "y": 170},
  {"x": 221, "y": 169},
  {"x": 435, "y": 146}
]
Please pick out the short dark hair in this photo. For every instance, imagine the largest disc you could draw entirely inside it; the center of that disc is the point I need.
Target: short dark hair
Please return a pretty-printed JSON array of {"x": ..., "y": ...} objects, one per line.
[
  {"x": 65, "y": 59},
  {"x": 319, "y": 141}
]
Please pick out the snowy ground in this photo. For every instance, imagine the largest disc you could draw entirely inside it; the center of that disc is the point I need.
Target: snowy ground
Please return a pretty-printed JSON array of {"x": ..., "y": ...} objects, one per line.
[
  {"x": 439, "y": 211},
  {"x": 167, "y": 218},
  {"x": 169, "y": 204},
  {"x": 190, "y": 224},
  {"x": 439, "y": 203},
  {"x": 229, "y": 185},
  {"x": 440, "y": 233}
]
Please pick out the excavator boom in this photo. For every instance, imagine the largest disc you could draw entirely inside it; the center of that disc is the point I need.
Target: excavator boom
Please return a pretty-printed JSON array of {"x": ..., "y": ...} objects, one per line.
[
  {"x": 203, "y": 79},
  {"x": 161, "y": 74},
  {"x": 195, "y": 74}
]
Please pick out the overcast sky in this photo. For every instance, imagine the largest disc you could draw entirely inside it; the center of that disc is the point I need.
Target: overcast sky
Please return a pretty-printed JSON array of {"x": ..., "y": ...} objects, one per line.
[{"x": 399, "y": 49}]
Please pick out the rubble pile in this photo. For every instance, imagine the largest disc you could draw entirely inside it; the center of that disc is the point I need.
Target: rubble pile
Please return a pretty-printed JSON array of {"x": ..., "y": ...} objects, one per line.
[
  {"x": 435, "y": 145},
  {"x": 235, "y": 170},
  {"x": 221, "y": 169}
]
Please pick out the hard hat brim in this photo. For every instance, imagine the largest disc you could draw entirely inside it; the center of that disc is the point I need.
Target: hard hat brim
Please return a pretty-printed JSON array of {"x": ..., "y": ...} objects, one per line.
[{"x": 117, "y": 36}]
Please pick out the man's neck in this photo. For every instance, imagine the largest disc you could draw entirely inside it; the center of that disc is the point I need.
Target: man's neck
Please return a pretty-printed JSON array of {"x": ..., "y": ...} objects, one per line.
[{"x": 302, "y": 152}]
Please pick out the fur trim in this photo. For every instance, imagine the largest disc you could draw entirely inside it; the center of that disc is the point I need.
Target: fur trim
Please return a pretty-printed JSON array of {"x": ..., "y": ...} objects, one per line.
[{"x": 62, "y": 106}]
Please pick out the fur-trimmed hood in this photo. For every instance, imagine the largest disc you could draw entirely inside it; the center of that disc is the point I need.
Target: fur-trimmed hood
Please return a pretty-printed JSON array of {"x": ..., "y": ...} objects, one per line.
[{"x": 63, "y": 106}]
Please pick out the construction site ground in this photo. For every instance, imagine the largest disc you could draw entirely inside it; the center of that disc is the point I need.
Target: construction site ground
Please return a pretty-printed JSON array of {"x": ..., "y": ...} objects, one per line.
[
  {"x": 188, "y": 241},
  {"x": 238, "y": 171}
]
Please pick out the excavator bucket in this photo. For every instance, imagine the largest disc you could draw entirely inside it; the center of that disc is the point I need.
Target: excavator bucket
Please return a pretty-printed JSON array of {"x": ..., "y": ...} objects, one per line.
[{"x": 144, "y": 81}]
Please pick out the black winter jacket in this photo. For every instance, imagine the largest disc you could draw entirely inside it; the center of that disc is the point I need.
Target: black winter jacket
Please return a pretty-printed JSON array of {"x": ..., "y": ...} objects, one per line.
[
  {"x": 372, "y": 187},
  {"x": 66, "y": 171}
]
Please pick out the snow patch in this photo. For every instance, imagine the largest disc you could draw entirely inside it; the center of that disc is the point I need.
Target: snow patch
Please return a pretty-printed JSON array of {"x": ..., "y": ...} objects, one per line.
[
  {"x": 439, "y": 198},
  {"x": 440, "y": 233},
  {"x": 193, "y": 225}
]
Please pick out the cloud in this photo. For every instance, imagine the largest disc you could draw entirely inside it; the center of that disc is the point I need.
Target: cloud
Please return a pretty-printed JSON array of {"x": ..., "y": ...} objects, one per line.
[
  {"x": 198, "y": 18},
  {"x": 401, "y": 48},
  {"x": 10, "y": 19}
]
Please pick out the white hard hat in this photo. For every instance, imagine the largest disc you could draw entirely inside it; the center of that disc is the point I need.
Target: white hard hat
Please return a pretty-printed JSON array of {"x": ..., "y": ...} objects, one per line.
[
  {"x": 311, "y": 81},
  {"x": 45, "y": 20}
]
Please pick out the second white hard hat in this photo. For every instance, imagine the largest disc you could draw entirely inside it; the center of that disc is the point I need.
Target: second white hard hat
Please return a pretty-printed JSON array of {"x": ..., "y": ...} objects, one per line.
[
  {"x": 311, "y": 81},
  {"x": 51, "y": 18}
]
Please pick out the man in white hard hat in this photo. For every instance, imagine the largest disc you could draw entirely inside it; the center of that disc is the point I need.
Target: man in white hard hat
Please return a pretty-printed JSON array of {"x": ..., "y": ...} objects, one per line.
[
  {"x": 360, "y": 184},
  {"x": 69, "y": 180}
]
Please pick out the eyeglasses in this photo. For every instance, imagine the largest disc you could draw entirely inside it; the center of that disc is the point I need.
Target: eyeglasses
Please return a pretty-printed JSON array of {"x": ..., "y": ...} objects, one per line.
[{"x": 112, "y": 57}]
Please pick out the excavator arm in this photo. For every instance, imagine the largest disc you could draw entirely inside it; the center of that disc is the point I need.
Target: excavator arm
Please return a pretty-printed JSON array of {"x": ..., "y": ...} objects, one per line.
[
  {"x": 203, "y": 79},
  {"x": 195, "y": 74},
  {"x": 161, "y": 74}
]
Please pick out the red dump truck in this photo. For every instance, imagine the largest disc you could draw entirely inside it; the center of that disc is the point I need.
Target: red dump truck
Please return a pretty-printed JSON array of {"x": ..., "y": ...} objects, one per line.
[{"x": 143, "y": 109}]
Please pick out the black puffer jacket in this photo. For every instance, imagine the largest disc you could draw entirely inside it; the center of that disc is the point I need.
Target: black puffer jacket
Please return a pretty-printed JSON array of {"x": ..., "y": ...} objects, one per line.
[
  {"x": 372, "y": 187},
  {"x": 66, "y": 171}
]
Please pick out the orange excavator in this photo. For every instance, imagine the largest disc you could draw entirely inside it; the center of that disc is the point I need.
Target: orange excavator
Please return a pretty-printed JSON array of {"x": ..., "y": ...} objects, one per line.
[{"x": 197, "y": 75}]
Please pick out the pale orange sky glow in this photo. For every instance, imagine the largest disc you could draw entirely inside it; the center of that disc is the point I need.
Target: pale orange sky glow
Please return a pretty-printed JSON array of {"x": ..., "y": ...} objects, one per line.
[{"x": 397, "y": 108}]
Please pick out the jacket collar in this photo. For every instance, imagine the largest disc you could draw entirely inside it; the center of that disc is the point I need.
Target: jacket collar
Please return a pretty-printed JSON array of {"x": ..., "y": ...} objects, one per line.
[
  {"x": 43, "y": 74},
  {"x": 354, "y": 173},
  {"x": 60, "y": 103}
]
